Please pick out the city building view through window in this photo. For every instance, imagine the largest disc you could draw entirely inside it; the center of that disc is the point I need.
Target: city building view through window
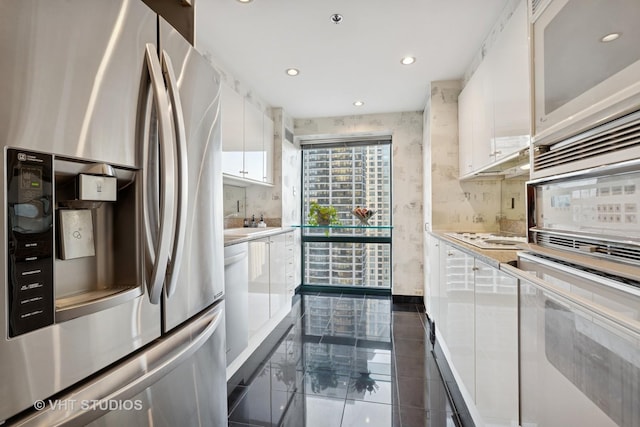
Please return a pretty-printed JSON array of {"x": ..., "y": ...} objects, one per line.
[{"x": 347, "y": 176}]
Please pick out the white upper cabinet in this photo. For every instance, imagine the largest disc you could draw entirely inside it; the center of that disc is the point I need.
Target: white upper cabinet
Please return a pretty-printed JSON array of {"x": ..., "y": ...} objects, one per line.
[
  {"x": 465, "y": 129},
  {"x": 267, "y": 138},
  {"x": 253, "y": 143},
  {"x": 247, "y": 139},
  {"x": 511, "y": 86},
  {"x": 232, "y": 131},
  {"x": 494, "y": 111}
]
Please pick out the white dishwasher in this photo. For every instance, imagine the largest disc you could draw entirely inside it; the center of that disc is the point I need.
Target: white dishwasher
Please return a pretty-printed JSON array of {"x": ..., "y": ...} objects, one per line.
[{"x": 236, "y": 289}]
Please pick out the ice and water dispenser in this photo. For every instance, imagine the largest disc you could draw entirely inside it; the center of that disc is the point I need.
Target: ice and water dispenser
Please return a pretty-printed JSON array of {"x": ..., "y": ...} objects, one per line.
[{"x": 72, "y": 238}]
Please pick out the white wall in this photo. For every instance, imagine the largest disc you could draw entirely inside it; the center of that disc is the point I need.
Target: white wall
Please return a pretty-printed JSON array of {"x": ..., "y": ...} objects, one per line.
[{"x": 406, "y": 131}]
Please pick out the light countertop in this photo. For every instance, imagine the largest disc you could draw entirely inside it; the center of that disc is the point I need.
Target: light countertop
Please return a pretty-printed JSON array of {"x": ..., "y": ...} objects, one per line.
[
  {"x": 245, "y": 234},
  {"x": 493, "y": 257}
]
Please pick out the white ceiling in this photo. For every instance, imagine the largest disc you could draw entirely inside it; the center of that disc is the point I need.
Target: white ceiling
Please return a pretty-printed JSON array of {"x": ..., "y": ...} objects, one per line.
[{"x": 358, "y": 59}]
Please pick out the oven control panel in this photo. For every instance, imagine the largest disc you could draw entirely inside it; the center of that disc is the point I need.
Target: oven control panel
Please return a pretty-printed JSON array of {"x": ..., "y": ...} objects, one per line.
[
  {"x": 30, "y": 241},
  {"x": 603, "y": 205}
]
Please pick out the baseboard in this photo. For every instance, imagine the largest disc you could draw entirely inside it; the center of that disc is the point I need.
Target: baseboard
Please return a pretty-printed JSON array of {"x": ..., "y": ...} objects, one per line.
[
  {"x": 355, "y": 290},
  {"x": 408, "y": 299}
]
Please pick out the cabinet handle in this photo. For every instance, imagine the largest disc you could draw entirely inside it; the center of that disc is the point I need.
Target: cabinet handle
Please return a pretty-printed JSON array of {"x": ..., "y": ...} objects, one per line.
[
  {"x": 449, "y": 253},
  {"x": 475, "y": 268}
]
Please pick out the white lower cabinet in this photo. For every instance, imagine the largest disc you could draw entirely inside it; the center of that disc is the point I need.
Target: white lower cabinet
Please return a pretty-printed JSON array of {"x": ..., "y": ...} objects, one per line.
[
  {"x": 278, "y": 297},
  {"x": 290, "y": 264},
  {"x": 270, "y": 289},
  {"x": 496, "y": 345},
  {"x": 475, "y": 311},
  {"x": 259, "y": 305},
  {"x": 432, "y": 288},
  {"x": 460, "y": 320}
]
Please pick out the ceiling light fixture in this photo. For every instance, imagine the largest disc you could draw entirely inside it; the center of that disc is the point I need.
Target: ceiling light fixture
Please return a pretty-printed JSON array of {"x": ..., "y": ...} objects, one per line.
[
  {"x": 245, "y": 1},
  {"x": 610, "y": 37},
  {"x": 408, "y": 60},
  {"x": 336, "y": 18},
  {"x": 292, "y": 71},
  {"x": 358, "y": 103}
]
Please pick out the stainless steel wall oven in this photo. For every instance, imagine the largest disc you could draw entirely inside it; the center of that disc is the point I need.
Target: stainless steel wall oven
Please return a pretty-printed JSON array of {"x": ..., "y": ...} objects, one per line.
[{"x": 579, "y": 291}]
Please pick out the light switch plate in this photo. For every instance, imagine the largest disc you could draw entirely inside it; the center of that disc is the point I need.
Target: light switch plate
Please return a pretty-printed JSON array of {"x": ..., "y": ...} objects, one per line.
[{"x": 76, "y": 234}]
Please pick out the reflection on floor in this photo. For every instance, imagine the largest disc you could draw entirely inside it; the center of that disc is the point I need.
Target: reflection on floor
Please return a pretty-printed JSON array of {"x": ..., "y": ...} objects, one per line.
[{"x": 346, "y": 360}]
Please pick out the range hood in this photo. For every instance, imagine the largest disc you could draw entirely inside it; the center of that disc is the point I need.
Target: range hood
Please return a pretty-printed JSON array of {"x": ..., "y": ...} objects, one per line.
[{"x": 511, "y": 166}]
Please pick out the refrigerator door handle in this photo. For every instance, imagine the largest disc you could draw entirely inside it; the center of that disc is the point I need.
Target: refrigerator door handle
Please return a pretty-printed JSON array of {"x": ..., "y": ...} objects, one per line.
[
  {"x": 125, "y": 381},
  {"x": 161, "y": 258},
  {"x": 182, "y": 175}
]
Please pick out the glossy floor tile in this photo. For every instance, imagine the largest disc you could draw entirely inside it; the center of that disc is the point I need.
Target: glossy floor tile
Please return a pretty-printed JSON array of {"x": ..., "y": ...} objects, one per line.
[{"x": 347, "y": 360}]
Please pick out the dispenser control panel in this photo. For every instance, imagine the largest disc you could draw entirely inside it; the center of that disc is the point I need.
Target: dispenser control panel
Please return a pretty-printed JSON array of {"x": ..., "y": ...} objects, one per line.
[{"x": 30, "y": 214}]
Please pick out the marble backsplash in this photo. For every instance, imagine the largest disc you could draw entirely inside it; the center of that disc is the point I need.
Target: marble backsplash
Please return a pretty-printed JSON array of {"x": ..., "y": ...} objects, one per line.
[
  {"x": 513, "y": 226},
  {"x": 239, "y": 222}
]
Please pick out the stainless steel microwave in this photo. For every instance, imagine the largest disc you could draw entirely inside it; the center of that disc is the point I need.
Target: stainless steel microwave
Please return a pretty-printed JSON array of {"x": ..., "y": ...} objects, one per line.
[{"x": 586, "y": 61}]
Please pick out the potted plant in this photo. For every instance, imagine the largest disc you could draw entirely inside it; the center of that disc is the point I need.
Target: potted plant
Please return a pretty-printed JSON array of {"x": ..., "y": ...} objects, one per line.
[{"x": 322, "y": 215}]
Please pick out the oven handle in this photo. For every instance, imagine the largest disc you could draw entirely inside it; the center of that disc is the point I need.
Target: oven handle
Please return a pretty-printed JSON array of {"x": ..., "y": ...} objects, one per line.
[{"x": 595, "y": 309}]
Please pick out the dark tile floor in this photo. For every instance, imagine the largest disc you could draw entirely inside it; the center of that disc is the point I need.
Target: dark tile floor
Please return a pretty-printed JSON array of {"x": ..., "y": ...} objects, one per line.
[{"x": 347, "y": 360}]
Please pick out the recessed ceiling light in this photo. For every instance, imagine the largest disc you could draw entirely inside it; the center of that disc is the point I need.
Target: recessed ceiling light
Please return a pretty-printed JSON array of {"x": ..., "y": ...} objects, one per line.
[
  {"x": 610, "y": 37},
  {"x": 245, "y": 1},
  {"x": 408, "y": 60},
  {"x": 292, "y": 71},
  {"x": 358, "y": 103}
]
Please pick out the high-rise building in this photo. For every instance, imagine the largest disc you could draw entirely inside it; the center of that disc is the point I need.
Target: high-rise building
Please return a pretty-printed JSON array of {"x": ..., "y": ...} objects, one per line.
[{"x": 346, "y": 177}]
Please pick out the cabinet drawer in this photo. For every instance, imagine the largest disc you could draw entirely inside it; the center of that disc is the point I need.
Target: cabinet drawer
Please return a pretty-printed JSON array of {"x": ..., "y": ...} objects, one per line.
[
  {"x": 289, "y": 266},
  {"x": 288, "y": 253},
  {"x": 289, "y": 239}
]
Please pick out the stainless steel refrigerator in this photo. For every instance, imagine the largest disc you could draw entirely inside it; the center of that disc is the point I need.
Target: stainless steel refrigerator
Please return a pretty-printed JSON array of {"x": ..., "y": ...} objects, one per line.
[{"x": 111, "y": 306}]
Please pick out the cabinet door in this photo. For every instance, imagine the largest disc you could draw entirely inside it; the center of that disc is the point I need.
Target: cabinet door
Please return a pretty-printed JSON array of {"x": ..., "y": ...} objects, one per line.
[
  {"x": 465, "y": 130},
  {"x": 482, "y": 105},
  {"x": 432, "y": 285},
  {"x": 475, "y": 121},
  {"x": 290, "y": 267},
  {"x": 577, "y": 367},
  {"x": 268, "y": 143},
  {"x": 253, "y": 146},
  {"x": 496, "y": 341},
  {"x": 460, "y": 315},
  {"x": 259, "y": 304},
  {"x": 232, "y": 131},
  {"x": 277, "y": 276},
  {"x": 509, "y": 65}
]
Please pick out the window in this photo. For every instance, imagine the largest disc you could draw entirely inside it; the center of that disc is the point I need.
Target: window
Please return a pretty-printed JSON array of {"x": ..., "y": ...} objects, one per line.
[{"x": 347, "y": 175}]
